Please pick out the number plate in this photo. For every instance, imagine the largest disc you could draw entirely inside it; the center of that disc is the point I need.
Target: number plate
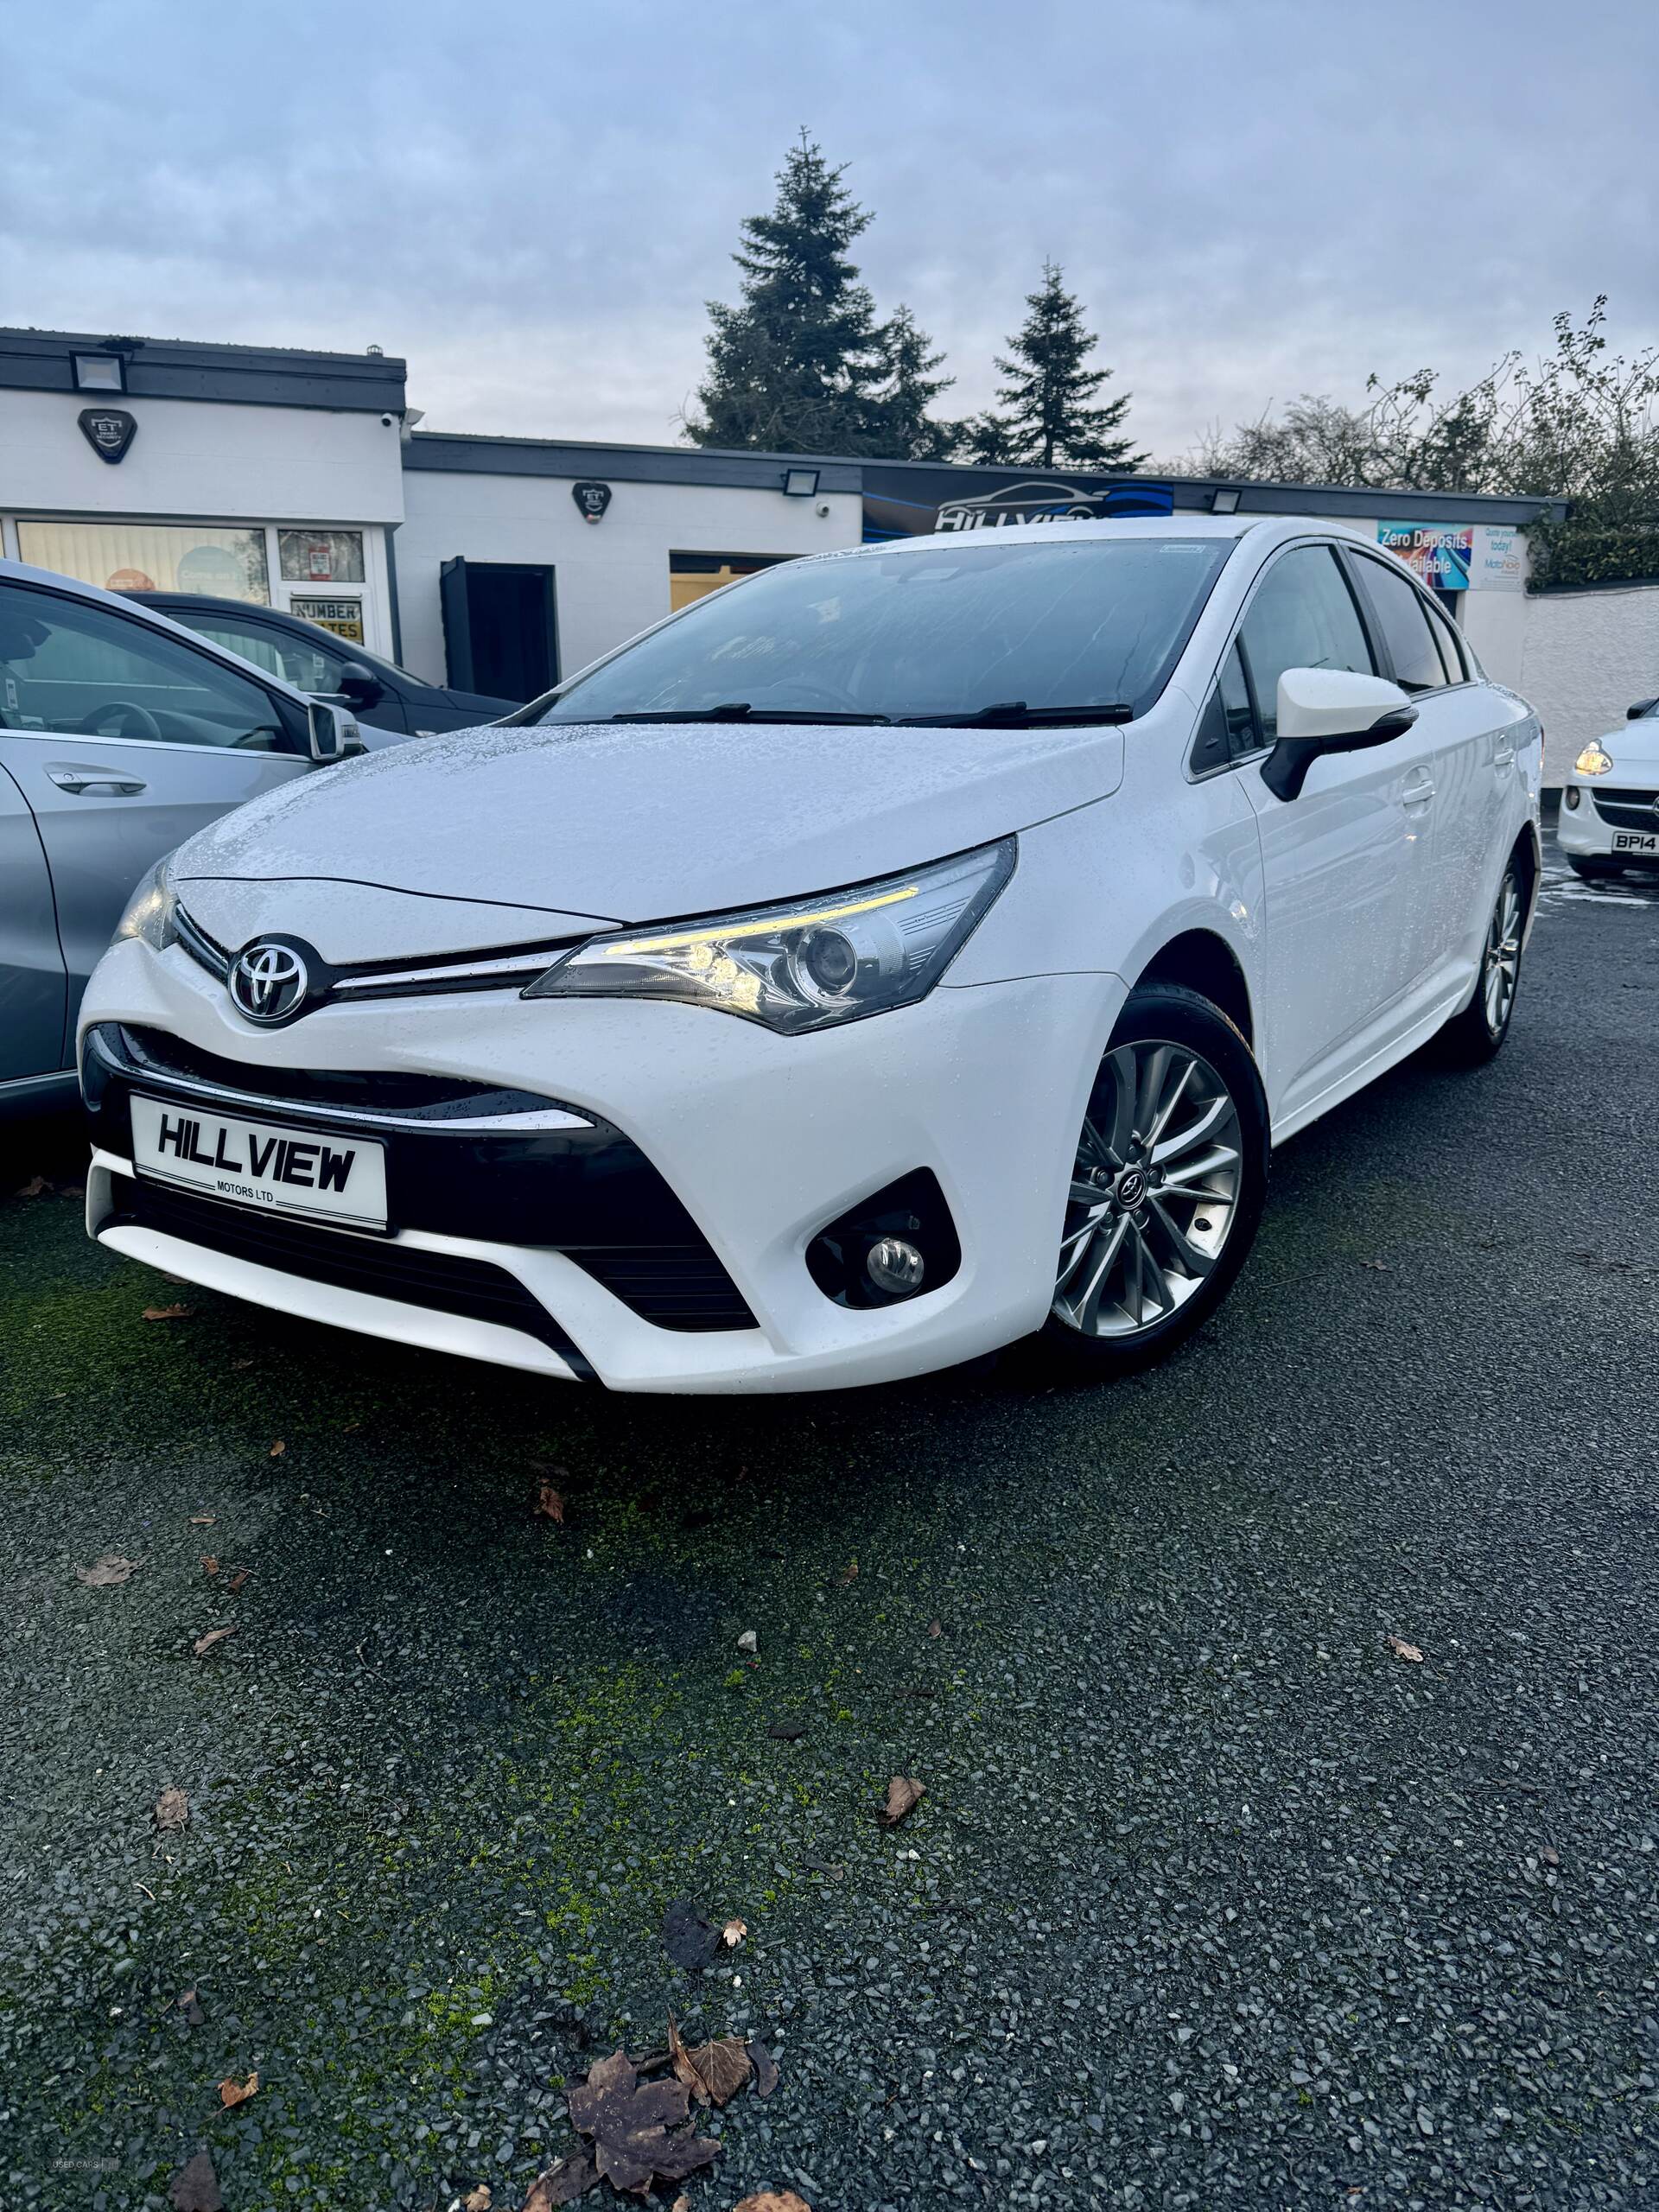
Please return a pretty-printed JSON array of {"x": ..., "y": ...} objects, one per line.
[
  {"x": 339, "y": 1179},
  {"x": 1636, "y": 840}
]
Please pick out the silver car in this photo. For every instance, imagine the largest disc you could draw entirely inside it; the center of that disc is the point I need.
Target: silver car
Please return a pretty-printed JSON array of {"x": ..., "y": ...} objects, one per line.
[{"x": 121, "y": 734}]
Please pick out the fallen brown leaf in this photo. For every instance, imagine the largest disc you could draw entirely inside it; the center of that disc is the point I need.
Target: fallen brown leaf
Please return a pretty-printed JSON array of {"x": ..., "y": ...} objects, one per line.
[
  {"x": 766, "y": 2069},
  {"x": 934, "y": 1629},
  {"x": 548, "y": 1503},
  {"x": 277, "y": 1449},
  {"x": 572, "y": 2178},
  {"x": 1402, "y": 1649},
  {"x": 478, "y": 2200},
  {"x": 233, "y": 2093},
  {"x": 195, "y": 2187},
  {"x": 733, "y": 1933},
  {"x": 172, "y": 1808},
  {"x": 1378, "y": 1267},
  {"x": 903, "y": 1797},
  {"x": 33, "y": 1188},
  {"x": 190, "y": 2005},
  {"x": 850, "y": 1574},
  {"x": 238, "y": 1579},
  {"x": 714, "y": 2072},
  {"x": 203, "y": 1520},
  {"x": 106, "y": 1570},
  {"x": 213, "y": 1635},
  {"x": 71, "y": 1190},
  {"x": 629, "y": 2120},
  {"x": 169, "y": 1312},
  {"x": 242, "y": 1362},
  {"x": 1550, "y": 1856},
  {"x": 209, "y": 1564},
  {"x": 774, "y": 2200}
]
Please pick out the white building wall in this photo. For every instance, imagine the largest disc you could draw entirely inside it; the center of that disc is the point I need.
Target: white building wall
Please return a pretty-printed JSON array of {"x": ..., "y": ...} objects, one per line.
[
  {"x": 204, "y": 459},
  {"x": 1587, "y": 655},
  {"x": 611, "y": 577}
]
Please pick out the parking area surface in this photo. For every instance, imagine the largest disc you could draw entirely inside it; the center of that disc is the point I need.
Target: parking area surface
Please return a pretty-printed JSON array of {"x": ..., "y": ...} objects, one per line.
[{"x": 1216, "y": 1897}]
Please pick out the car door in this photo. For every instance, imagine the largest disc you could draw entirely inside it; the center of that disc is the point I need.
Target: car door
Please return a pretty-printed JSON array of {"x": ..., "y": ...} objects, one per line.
[
  {"x": 32, "y": 988},
  {"x": 1346, "y": 862},
  {"x": 1467, "y": 733},
  {"x": 125, "y": 740}
]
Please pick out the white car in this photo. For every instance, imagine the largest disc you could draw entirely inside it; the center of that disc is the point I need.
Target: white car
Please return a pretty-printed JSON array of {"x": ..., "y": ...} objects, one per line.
[
  {"x": 1610, "y": 804},
  {"x": 902, "y": 952}
]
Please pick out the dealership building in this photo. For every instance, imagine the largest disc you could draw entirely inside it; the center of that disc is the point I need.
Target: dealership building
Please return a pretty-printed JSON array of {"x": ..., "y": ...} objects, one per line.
[{"x": 301, "y": 481}]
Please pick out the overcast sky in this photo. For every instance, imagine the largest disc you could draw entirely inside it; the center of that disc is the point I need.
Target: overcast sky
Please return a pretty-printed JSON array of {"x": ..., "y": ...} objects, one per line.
[{"x": 532, "y": 199}]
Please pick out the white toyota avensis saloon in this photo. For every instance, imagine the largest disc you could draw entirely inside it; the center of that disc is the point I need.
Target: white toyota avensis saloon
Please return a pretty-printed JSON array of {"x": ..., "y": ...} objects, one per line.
[{"x": 901, "y": 952}]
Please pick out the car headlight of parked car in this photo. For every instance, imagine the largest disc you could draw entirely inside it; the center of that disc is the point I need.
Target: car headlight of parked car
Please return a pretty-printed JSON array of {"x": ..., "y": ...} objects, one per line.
[
  {"x": 804, "y": 965},
  {"x": 1593, "y": 761},
  {"x": 150, "y": 911}
]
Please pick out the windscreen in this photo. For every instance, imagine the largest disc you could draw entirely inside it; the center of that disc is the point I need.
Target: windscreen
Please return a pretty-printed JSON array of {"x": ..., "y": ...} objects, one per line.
[{"x": 939, "y": 631}]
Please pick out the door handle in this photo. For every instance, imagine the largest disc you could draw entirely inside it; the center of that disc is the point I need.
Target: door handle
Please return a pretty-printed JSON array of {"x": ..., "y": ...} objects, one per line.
[
  {"x": 1504, "y": 757},
  {"x": 104, "y": 783},
  {"x": 1420, "y": 793}
]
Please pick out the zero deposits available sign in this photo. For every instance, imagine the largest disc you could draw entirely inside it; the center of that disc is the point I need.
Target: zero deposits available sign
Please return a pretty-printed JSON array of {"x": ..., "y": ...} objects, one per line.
[{"x": 1439, "y": 553}]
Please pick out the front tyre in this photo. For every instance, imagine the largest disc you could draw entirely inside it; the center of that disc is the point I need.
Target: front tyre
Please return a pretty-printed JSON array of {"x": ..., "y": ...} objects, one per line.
[
  {"x": 1168, "y": 1185},
  {"x": 1478, "y": 1031}
]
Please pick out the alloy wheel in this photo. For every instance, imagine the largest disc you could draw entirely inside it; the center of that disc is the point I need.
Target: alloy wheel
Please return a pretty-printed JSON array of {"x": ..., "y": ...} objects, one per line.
[
  {"x": 1501, "y": 961},
  {"x": 1154, "y": 1189}
]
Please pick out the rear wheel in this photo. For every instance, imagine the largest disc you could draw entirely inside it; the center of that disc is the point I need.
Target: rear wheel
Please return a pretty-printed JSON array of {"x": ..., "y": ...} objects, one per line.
[
  {"x": 1168, "y": 1185},
  {"x": 1478, "y": 1031}
]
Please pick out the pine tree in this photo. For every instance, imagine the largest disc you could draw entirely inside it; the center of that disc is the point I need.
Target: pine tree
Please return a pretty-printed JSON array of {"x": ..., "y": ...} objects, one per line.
[
  {"x": 800, "y": 364},
  {"x": 911, "y": 432},
  {"x": 1049, "y": 419}
]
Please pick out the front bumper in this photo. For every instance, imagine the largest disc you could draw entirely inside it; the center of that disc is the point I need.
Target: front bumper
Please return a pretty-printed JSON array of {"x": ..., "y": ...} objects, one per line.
[
  {"x": 754, "y": 1142},
  {"x": 1609, "y": 807}
]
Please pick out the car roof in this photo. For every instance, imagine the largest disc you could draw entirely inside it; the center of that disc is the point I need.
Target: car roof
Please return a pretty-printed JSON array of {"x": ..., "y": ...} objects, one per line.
[{"x": 123, "y": 603}]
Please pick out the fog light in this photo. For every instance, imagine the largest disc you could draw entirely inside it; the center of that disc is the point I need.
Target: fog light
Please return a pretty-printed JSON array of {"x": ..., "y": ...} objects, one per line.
[
  {"x": 895, "y": 1266},
  {"x": 897, "y": 1243},
  {"x": 1573, "y": 800}
]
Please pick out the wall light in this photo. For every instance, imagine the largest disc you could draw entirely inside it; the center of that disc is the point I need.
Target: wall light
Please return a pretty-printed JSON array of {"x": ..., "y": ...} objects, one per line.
[
  {"x": 100, "y": 372},
  {"x": 800, "y": 483},
  {"x": 1224, "y": 501}
]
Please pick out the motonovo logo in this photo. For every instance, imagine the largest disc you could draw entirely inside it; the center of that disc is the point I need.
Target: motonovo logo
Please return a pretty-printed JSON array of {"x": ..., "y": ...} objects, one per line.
[{"x": 269, "y": 981}]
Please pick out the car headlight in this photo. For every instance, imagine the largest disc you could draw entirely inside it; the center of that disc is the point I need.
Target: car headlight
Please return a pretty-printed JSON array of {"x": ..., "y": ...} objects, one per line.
[
  {"x": 1593, "y": 761},
  {"x": 150, "y": 911},
  {"x": 804, "y": 965}
]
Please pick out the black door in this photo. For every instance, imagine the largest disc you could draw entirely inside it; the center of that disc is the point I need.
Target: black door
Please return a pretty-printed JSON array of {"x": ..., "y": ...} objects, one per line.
[{"x": 499, "y": 630}]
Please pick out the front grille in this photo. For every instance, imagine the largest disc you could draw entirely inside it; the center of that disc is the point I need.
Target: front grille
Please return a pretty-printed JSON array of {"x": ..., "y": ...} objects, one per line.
[
  {"x": 509, "y": 968},
  {"x": 150, "y": 1052},
  {"x": 1627, "y": 809},
  {"x": 445, "y": 1281},
  {"x": 681, "y": 1288}
]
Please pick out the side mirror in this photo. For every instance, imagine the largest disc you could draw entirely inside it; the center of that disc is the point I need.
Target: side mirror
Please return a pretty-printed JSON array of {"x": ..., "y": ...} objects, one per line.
[
  {"x": 1330, "y": 710},
  {"x": 358, "y": 686},
  {"x": 1642, "y": 707},
  {"x": 333, "y": 733}
]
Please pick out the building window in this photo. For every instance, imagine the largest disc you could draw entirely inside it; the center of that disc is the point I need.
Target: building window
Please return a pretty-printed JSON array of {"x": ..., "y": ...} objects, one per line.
[
  {"x": 321, "y": 556},
  {"x": 693, "y": 575},
  {"x": 151, "y": 556}
]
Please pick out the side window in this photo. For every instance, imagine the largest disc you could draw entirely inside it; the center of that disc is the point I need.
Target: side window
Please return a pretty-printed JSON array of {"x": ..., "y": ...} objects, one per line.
[
  {"x": 295, "y": 660},
  {"x": 1403, "y": 620},
  {"x": 77, "y": 669},
  {"x": 1451, "y": 646},
  {"x": 1303, "y": 616},
  {"x": 1227, "y": 726}
]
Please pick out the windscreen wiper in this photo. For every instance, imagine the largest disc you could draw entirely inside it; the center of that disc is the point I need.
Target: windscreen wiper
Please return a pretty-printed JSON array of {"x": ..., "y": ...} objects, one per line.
[
  {"x": 740, "y": 710},
  {"x": 1015, "y": 713}
]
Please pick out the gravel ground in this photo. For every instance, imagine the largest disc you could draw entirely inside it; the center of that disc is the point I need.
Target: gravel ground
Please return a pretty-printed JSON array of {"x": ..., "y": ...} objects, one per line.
[{"x": 1212, "y": 1900}]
